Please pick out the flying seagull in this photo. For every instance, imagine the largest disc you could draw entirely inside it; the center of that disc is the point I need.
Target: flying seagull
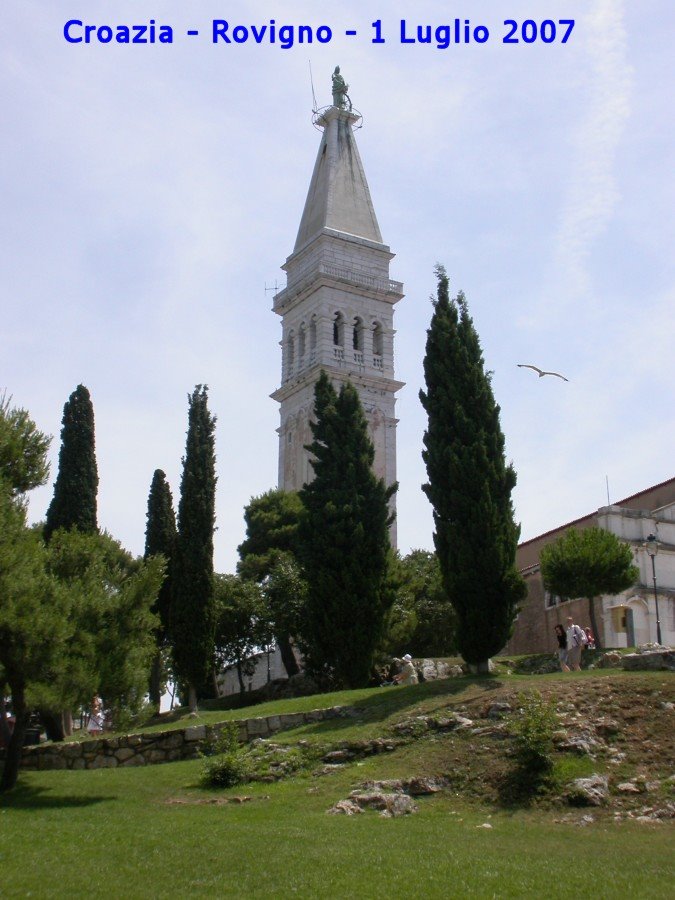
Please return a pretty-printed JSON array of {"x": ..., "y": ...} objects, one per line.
[{"x": 541, "y": 372}]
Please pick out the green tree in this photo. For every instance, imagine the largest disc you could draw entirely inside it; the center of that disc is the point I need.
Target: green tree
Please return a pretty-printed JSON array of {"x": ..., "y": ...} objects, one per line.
[
  {"x": 267, "y": 557},
  {"x": 272, "y": 521},
  {"x": 111, "y": 646},
  {"x": 242, "y": 624},
  {"x": 35, "y": 624},
  {"x": 192, "y": 603},
  {"x": 23, "y": 449},
  {"x": 469, "y": 483},
  {"x": 421, "y": 600},
  {"x": 344, "y": 542},
  {"x": 33, "y": 608},
  {"x": 285, "y": 593},
  {"x": 588, "y": 563},
  {"x": 74, "y": 502},
  {"x": 160, "y": 540}
]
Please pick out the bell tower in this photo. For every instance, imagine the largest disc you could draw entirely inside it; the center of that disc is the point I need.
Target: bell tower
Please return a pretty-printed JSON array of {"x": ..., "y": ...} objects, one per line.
[{"x": 338, "y": 304}]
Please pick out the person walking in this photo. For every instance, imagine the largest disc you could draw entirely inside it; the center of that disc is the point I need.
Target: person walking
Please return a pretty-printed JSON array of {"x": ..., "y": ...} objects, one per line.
[
  {"x": 561, "y": 637},
  {"x": 576, "y": 638}
]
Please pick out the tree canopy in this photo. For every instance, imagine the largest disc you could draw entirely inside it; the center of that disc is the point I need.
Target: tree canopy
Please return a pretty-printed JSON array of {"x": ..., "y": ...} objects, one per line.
[
  {"x": 23, "y": 449},
  {"x": 242, "y": 623},
  {"x": 268, "y": 556},
  {"x": 423, "y": 620},
  {"x": 588, "y": 563},
  {"x": 74, "y": 504},
  {"x": 192, "y": 603},
  {"x": 469, "y": 484},
  {"x": 160, "y": 540}
]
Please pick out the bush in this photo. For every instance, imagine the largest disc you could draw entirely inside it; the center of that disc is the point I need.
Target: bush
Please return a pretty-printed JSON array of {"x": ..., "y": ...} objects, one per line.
[
  {"x": 226, "y": 770},
  {"x": 227, "y": 764},
  {"x": 533, "y": 732}
]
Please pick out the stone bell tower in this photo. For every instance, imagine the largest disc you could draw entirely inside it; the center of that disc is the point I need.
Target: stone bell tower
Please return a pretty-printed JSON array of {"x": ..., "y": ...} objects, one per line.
[{"x": 338, "y": 305}]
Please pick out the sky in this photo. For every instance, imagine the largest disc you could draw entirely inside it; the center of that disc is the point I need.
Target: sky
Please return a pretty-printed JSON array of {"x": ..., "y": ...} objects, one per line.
[{"x": 150, "y": 193}]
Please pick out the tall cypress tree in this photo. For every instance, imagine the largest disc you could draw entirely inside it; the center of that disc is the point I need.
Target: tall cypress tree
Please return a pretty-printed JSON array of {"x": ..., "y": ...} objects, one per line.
[
  {"x": 469, "y": 483},
  {"x": 344, "y": 542},
  {"x": 192, "y": 604},
  {"x": 74, "y": 502},
  {"x": 160, "y": 537}
]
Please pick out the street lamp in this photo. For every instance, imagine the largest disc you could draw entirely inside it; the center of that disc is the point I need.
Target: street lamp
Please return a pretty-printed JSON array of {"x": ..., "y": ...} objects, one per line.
[{"x": 651, "y": 545}]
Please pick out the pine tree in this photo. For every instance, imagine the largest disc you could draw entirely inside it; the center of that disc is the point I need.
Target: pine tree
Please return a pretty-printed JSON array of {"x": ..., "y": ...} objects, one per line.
[
  {"x": 267, "y": 556},
  {"x": 192, "y": 604},
  {"x": 588, "y": 563},
  {"x": 344, "y": 542},
  {"x": 469, "y": 483},
  {"x": 76, "y": 486},
  {"x": 160, "y": 538}
]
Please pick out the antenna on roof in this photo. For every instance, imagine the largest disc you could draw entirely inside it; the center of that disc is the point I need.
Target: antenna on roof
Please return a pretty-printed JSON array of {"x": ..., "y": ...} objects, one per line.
[
  {"x": 274, "y": 287},
  {"x": 607, "y": 483},
  {"x": 311, "y": 81}
]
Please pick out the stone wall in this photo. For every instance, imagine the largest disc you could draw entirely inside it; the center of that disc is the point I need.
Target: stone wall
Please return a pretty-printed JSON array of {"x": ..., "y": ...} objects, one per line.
[{"x": 161, "y": 746}]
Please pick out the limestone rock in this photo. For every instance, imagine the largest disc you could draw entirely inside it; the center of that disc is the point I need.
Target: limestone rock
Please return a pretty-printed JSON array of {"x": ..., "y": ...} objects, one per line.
[
  {"x": 345, "y": 808},
  {"x": 609, "y": 660},
  {"x": 389, "y": 804},
  {"x": 655, "y": 660},
  {"x": 498, "y": 710},
  {"x": 592, "y": 791}
]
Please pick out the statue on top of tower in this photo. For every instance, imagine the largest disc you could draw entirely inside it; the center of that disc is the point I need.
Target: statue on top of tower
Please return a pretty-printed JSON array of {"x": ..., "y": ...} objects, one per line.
[{"x": 340, "y": 88}]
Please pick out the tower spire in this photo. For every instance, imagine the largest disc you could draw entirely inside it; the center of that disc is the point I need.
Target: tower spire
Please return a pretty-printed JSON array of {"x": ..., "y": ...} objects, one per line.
[
  {"x": 338, "y": 197},
  {"x": 337, "y": 307}
]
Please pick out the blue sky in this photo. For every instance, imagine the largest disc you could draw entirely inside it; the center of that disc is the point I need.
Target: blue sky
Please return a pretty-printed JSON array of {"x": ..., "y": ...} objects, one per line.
[{"x": 149, "y": 194}]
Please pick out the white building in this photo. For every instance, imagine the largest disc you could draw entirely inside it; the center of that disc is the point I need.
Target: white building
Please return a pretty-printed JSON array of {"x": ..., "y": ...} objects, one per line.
[
  {"x": 337, "y": 307},
  {"x": 630, "y": 618}
]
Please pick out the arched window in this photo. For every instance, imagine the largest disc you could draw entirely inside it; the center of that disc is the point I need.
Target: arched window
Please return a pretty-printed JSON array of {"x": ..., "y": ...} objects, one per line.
[
  {"x": 358, "y": 334},
  {"x": 378, "y": 339},
  {"x": 290, "y": 354},
  {"x": 301, "y": 343},
  {"x": 339, "y": 330},
  {"x": 312, "y": 334}
]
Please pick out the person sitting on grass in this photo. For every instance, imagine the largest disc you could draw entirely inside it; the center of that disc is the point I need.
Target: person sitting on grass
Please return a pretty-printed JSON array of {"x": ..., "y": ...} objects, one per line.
[{"x": 408, "y": 674}]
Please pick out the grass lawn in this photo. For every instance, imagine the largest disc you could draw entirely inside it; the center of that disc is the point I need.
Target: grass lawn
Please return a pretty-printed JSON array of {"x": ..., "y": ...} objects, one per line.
[
  {"x": 116, "y": 833},
  {"x": 153, "y": 832}
]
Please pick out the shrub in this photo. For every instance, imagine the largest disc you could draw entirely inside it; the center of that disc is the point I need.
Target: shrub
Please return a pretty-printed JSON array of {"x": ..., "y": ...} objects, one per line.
[
  {"x": 227, "y": 764},
  {"x": 533, "y": 732},
  {"x": 226, "y": 770}
]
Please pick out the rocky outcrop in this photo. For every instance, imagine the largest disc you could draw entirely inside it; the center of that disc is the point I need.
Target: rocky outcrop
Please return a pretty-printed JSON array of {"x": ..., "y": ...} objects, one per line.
[
  {"x": 593, "y": 791},
  {"x": 659, "y": 659}
]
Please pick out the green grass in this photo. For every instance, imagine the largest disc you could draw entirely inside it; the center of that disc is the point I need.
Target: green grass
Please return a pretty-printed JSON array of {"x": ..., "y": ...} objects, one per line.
[
  {"x": 122, "y": 833},
  {"x": 114, "y": 833}
]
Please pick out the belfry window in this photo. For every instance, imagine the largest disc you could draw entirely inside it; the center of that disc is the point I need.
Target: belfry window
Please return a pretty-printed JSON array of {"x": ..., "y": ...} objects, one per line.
[
  {"x": 339, "y": 330},
  {"x": 290, "y": 353},
  {"x": 301, "y": 341},
  {"x": 358, "y": 334},
  {"x": 378, "y": 339},
  {"x": 312, "y": 334}
]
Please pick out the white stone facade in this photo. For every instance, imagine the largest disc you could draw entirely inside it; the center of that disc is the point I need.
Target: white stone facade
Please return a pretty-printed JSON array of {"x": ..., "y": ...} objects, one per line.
[
  {"x": 337, "y": 308},
  {"x": 629, "y": 619}
]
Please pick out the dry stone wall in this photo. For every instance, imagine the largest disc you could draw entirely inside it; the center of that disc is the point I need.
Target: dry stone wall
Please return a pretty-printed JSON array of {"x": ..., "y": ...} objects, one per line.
[{"x": 151, "y": 748}]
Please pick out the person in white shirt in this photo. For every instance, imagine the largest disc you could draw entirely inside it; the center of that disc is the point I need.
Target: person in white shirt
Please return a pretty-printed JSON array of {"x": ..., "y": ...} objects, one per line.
[
  {"x": 575, "y": 644},
  {"x": 408, "y": 674}
]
